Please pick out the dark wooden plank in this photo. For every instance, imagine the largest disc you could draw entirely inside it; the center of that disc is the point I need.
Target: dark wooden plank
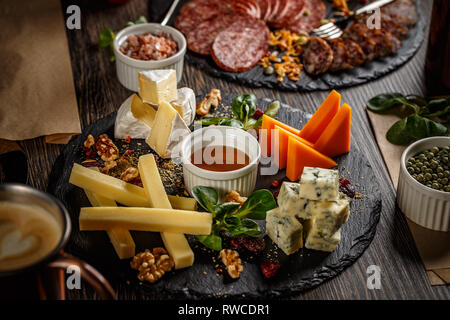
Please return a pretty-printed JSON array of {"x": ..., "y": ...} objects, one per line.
[{"x": 99, "y": 93}]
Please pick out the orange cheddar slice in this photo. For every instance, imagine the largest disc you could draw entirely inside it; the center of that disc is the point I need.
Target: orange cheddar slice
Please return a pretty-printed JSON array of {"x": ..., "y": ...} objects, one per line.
[
  {"x": 265, "y": 140},
  {"x": 335, "y": 140},
  {"x": 322, "y": 117},
  {"x": 301, "y": 155},
  {"x": 281, "y": 145}
]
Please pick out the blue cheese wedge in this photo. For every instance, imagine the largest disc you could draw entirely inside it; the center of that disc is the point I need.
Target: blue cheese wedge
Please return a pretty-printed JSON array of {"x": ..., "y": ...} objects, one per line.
[
  {"x": 327, "y": 216},
  {"x": 316, "y": 241},
  {"x": 319, "y": 184},
  {"x": 285, "y": 231},
  {"x": 288, "y": 199}
]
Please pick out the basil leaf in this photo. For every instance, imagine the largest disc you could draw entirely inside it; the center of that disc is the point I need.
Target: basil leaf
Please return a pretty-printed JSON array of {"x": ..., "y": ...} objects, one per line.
[
  {"x": 232, "y": 222},
  {"x": 414, "y": 127},
  {"x": 257, "y": 204},
  {"x": 220, "y": 122},
  {"x": 141, "y": 20},
  {"x": 247, "y": 227},
  {"x": 207, "y": 197},
  {"x": 243, "y": 107},
  {"x": 225, "y": 209},
  {"x": 386, "y": 101},
  {"x": 251, "y": 124},
  {"x": 437, "y": 108},
  {"x": 106, "y": 38},
  {"x": 212, "y": 241},
  {"x": 272, "y": 109}
]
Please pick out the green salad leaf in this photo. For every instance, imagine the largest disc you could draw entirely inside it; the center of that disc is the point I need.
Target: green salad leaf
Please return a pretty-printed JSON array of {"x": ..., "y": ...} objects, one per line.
[
  {"x": 229, "y": 218},
  {"x": 428, "y": 118}
]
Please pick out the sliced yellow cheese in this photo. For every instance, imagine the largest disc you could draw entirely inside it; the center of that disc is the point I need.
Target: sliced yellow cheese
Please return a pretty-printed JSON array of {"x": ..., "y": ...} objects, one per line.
[
  {"x": 183, "y": 203},
  {"x": 146, "y": 219},
  {"x": 120, "y": 238},
  {"x": 175, "y": 243},
  {"x": 120, "y": 191},
  {"x": 142, "y": 111},
  {"x": 167, "y": 132},
  {"x": 158, "y": 85}
]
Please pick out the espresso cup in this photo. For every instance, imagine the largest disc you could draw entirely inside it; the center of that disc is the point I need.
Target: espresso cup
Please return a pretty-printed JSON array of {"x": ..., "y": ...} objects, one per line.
[{"x": 34, "y": 229}]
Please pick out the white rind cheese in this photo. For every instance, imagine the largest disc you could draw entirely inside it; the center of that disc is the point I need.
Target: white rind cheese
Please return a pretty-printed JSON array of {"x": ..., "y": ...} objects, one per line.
[
  {"x": 156, "y": 86},
  {"x": 319, "y": 184},
  {"x": 167, "y": 132},
  {"x": 285, "y": 231},
  {"x": 127, "y": 125},
  {"x": 185, "y": 104}
]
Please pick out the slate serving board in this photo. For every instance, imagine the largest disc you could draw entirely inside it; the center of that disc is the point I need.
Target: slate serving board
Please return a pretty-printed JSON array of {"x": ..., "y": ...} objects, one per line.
[
  {"x": 364, "y": 73},
  {"x": 300, "y": 271}
]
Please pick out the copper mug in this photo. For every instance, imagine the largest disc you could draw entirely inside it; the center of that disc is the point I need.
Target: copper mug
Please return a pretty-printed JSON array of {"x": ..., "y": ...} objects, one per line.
[{"x": 44, "y": 278}]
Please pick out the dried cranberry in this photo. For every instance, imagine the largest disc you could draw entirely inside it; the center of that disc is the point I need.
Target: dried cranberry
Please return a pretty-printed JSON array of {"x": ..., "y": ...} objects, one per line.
[
  {"x": 276, "y": 193},
  {"x": 128, "y": 139},
  {"x": 269, "y": 268},
  {"x": 275, "y": 183},
  {"x": 258, "y": 114},
  {"x": 128, "y": 152},
  {"x": 235, "y": 245},
  {"x": 346, "y": 187},
  {"x": 91, "y": 154},
  {"x": 254, "y": 245},
  {"x": 91, "y": 164},
  {"x": 220, "y": 271}
]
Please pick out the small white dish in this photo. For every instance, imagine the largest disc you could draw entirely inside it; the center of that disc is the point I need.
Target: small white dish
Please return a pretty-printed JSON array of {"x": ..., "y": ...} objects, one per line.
[
  {"x": 128, "y": 68},
  {"x": 242, "y": 180},
  {"x": 425, "y": 206}
]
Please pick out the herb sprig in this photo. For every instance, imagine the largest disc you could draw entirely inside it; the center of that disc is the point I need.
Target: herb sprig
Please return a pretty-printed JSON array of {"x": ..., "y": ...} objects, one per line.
[
  {"x": 244, "y": 109},
  {"x": 230, "y": 217},
  {"x": 426, "y": 118},
  {"x": 106, "y": 38}
]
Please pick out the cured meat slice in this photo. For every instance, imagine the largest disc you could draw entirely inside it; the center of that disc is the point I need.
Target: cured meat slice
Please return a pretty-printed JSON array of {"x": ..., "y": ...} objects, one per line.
[
  {"x": 396, "y": 44},
  {"x": 317, "y": 57},
  {"x": 275, "y": 4},
  {"x": 382, "y": 42},
  {"x": 402, "y": 11},
  {"x": 249, "y": 7},
  {"x": 367, "y": 44},
  {"x": 311, "y": 16},
  {"x": 196, "y": 11},
  {"x": 263, "y": 6},
  {"x": 356, "y": 55},
  {"x": 291, "y": 10},
  {"x": 387, "y": 23},
  {"x": 241, "y": 46},
  {"x": 202, "y": 37},
  {"x": 340, "y": 55},
  {"x": 280, "y": 11},
  {"x": 270, "y": 5}
]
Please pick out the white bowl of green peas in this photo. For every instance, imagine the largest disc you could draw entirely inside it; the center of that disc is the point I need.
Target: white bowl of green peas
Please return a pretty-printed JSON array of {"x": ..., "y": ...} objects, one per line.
[{"x": 423, "y": 192}]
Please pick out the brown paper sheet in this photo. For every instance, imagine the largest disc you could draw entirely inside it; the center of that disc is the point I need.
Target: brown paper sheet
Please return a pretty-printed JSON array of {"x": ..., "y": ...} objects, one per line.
[
  {"x": 433, "y": 246},
  {"x": 36, "y": 86}
]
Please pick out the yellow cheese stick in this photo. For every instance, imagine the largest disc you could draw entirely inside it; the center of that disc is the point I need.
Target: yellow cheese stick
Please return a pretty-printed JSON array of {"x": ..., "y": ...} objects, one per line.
[
  {"x": 120, "y": 238},
  {"x": 175, "y": 243},
  {"x": 120, "y": 191},
  {"x": 146, "y": 219}
]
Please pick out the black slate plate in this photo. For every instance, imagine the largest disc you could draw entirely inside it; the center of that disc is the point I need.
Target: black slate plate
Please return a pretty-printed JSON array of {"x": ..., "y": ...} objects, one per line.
[
  {"x": 300, "y": 271},
  {"x": 368, "y": 71}
]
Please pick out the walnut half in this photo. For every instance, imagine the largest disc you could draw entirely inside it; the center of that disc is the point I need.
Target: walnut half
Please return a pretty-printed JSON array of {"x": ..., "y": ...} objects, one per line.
[
  {"x": 152, "y": 266},
  {"x": 234, "y": 196},
  {"x": 212, "y": 99},
  {"x": 231, "y": 260}
]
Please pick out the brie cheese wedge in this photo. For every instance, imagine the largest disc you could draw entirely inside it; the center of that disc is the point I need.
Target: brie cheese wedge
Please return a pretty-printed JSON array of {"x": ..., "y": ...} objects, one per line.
[{"x": 127, "y": 125}]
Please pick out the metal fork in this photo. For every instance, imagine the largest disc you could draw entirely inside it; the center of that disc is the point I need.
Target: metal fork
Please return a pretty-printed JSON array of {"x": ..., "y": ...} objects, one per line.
[{"x": 333, "y": 30}]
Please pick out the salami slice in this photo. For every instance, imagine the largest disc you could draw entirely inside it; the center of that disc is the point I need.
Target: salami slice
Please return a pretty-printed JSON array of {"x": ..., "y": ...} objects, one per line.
[
  {"x": 384, "y": 46},
  {"x": 291, "y": 11},
  {"x": 367, "y": 44},
  {"x": 311, "y": 16},
  {"x": 241, "y": 46},
  {"x": 196, "y": 11},
  {"x": 396, "y": 43},
  {"x": 340, "y": 55},
  {"x": 274, "y": 22},
  {"x": 356, "y": 55},
  {"x": 249, "y": 7},
  {"x": 269, "y": 10},
  {"x": 317, "y": 57},
  {"x": 202, "y": 37},
  {"x": 275, "y": 4},
  {"x": 263, "y": 6},
  {"x": 388, "y": 24},
  {"x": 402, "y": 11}
]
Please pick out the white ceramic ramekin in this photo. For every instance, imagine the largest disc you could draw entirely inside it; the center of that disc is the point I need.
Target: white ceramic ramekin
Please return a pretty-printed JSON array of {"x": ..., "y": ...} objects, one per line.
[
  {"x": 242, "y": 180},
  {"x": 128, "y": 68},
  {"x": 425, "y": 206}
]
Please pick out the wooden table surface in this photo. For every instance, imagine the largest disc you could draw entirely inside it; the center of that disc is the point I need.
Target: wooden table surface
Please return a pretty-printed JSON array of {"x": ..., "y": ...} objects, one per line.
[{"x": 99, "y": 93}]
